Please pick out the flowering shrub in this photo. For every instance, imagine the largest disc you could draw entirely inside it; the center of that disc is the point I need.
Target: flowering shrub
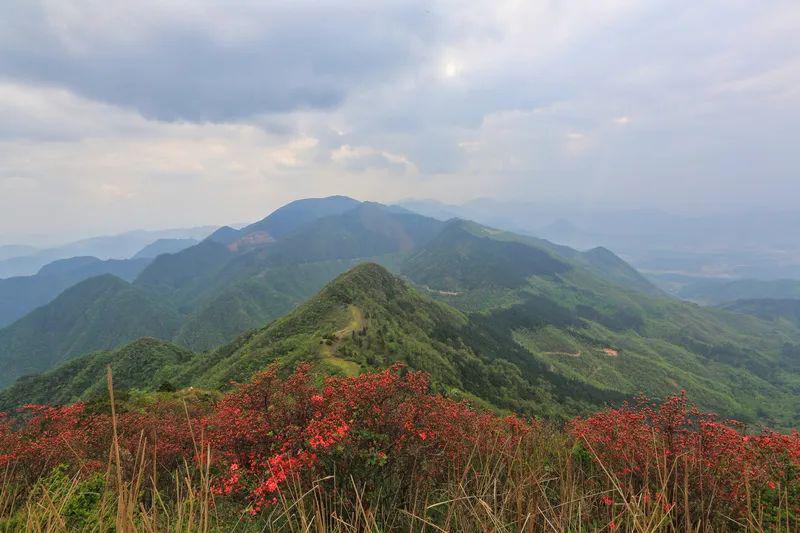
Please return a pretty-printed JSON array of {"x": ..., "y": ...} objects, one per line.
[
  {"x": 378, "y": 428},
  {"x": 42, "y": 437},
  {"x": 676, "y": 454},
  {"x": 387, "y": 436}
]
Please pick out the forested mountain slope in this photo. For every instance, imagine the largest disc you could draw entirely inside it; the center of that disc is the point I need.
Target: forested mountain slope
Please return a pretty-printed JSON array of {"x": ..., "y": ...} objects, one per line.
[
  {"x": 543, "y": 347},
  {"x": 101, "y": 312},
  {"x": 528, "y": 325},
  {"x": 21, "y": 295}
]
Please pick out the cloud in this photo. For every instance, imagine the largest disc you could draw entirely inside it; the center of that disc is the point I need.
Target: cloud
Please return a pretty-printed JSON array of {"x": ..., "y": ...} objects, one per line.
[
  {"x": 362, "y": 158},
  {"x": 209, "y": 60},
  {"x": 161, "y": 113}
]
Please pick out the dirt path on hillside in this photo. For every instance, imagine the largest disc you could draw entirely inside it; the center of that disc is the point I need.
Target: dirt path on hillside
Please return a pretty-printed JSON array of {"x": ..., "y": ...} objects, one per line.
[{"x": 328, "y": 351}]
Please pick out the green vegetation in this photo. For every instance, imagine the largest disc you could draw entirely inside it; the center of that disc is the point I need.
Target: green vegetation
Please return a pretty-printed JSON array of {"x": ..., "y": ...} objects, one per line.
[
  {"x": 21, "y": 295},
  {"x": 559, "y": 350},
  {"x": 365, "y": 319},
  {"x": 99, "y": 313},
  {"x": 776, "y": 309},
  {"x": 507, "y": 320},
  {"x": 143, "y": 364}
]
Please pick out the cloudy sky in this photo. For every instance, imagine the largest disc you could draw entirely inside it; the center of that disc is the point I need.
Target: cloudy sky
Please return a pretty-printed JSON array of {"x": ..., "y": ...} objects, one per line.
[{"x": 117, "y": 115}]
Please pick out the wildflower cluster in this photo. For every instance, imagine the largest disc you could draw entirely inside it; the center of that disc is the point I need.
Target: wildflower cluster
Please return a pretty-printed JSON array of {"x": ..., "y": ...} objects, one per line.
[
  {"x": 375, "y": 428},
  {"x": 391, "y": 438},
  {"x": 39, "y": 437},
  {"x": 674, "y": 454}
]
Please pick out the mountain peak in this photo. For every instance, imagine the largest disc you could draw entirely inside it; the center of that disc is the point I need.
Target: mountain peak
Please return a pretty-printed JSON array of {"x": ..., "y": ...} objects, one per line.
[
  {"x": 366, "y": 279},
  {"x": 294, "y": 215}
]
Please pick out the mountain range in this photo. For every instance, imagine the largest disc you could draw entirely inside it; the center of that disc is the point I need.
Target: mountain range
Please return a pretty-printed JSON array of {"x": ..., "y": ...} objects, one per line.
[
  {"x": 501, "y": 319},
  {"x": 22, "y": 294},
  {"x": 21, "y": 260},
  {"x": 749, "y": 244}
]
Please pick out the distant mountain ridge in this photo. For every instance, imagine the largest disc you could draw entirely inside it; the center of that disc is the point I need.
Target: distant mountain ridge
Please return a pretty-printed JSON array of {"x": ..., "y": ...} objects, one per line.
[
  {"x": 100, "y": 312},
  {"x": 562, "y": 319},
  {"x": 164, "y": 246},
  {"x": 122, "y": 246},
  {"x": 21, "y": 295},
  {"x": 284, "y": 220}
]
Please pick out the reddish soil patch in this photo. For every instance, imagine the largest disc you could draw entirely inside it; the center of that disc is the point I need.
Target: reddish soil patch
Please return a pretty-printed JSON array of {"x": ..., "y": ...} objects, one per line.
[{"x": 611, "y": 352}]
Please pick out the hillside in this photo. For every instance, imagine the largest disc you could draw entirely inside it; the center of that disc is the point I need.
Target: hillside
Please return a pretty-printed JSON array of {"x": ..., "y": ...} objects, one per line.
[
  {"x": 20, "y": 295},
  {"x": 773, "y": 309},
  {"x": 224, "y": 292},
  {"x": 599, "y": 333},
  {"x": 143, "y": 364},
  {"x": 365, "y": 319},
  {"x": 546, "y": 347},
  {"x": 101, "y": 312},
  {"x": 248, "y": 303}
]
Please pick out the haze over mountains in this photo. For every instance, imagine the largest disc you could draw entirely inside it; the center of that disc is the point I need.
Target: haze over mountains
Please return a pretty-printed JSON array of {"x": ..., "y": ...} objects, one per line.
[
  {"x": 21, "y": 294},
  {"x": 24, "y": 260},
  {"x": 500, "y": 318},
  {"x": 732, "y": 244}
]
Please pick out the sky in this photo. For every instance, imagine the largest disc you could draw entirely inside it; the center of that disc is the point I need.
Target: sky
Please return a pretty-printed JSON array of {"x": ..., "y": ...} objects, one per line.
[{"x": 117, "y": 115}]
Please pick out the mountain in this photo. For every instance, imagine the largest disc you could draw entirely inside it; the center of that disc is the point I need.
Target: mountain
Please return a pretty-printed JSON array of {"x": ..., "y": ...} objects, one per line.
[
  {"x": 225, "y": 291},
  {"x": 8, "y": 251},
  {"x": 772, "y": 309},
  {"x": 22, "y": 294},
  {"x": 284, "y": 220},
  {"x": 295, "y": 215},
  {"x": 555, "y": 330},
  {"x": 367, "y": 230},
  {"x": 754, "y": 244},
  {"x": 368, "y": 318},
  {"x": 213, "y": 292},
  {"x": 462, "y": 257},
  {"x": 101, "y": 312},
  {"x": 466, "y": 255},
  {"x": 611, "y": 267},
  {"x": 143, "y": 364},
  {"x": 120, "y": 246},
  {"x": 587, "y": 327},
  {"x": 365, "y": 318},
  {"x": 556, "y": 345},
  {"x": 164, "y": 246}
]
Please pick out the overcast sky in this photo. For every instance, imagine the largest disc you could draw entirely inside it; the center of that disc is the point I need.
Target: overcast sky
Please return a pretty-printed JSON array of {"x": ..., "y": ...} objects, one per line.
[{"x": 117, "y": 115}]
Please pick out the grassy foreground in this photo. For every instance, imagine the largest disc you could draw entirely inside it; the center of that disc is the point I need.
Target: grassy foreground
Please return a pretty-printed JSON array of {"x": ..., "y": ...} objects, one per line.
[{"x": 380, "y": 452}]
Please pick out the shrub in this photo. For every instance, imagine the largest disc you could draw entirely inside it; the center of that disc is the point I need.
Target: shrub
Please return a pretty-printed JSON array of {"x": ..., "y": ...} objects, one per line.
[{"x": 380, "y": 430}]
